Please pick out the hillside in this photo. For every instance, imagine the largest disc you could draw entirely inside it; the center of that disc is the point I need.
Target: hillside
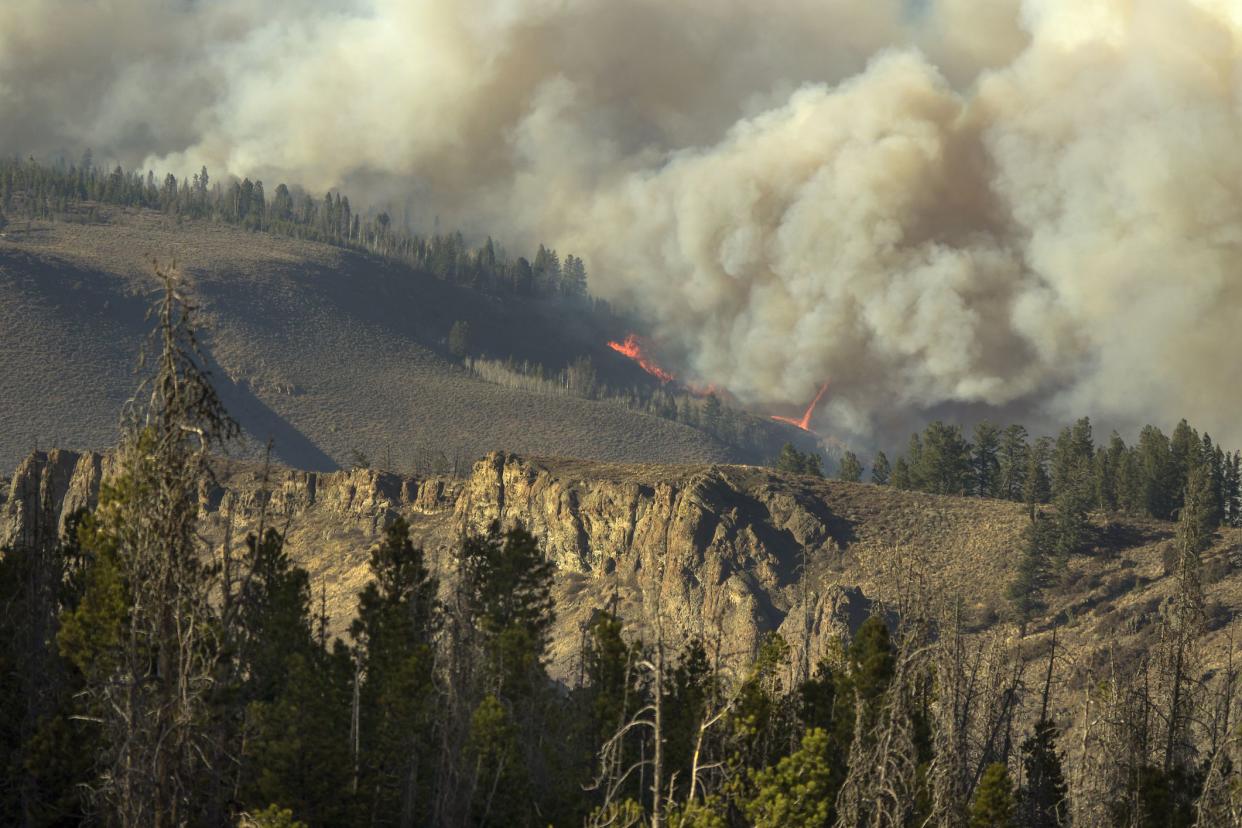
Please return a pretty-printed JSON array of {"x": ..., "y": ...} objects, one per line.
[
  {"x": 330, "y": 352},
  {"x": 728, "y": 553}
]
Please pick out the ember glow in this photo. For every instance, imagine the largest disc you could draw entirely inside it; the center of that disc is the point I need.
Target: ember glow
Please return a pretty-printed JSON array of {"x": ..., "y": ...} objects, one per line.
[
  {"x": 805, "y": 422},
  {"x": 633, "y": 349}
]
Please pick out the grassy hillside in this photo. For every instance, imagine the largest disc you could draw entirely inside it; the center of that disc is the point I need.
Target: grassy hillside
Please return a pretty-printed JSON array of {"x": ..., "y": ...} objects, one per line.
[{"x": 330, "y": 352}]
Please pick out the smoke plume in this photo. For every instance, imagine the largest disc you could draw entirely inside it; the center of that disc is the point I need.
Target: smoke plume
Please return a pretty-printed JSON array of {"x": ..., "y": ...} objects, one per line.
[{"x": 976, "y": 205}]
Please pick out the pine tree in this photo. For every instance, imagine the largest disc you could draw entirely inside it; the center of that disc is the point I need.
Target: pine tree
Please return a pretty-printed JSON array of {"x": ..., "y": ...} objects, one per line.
[
  {"x": 140, "y": 635},
  {"x": 870, "y": 662},
  {"x": 296, "y": 694},
  {"x": 1037, "y": 487},
  {"x": 506, "y": 583},
  {"x": 1034, "y": 568},
  {"x": 792, "y": 461},
  {"x": 914, "y": 462},
  {"x": 694, "y": 690},
  {"x": 1072, "y": 502},
  {"x": 712, "y": 415},
  {"x": 901, "y": 475},
  {"x": 1165, "y": 793},
  {"x": 1158, "y": 474},
  {"x": 798, "y": 791},
  {"x": 849, "y": 470},
  {"x": 273, "y": 616},
  {"x": 1109, "y": 462},
  {"x": 1233, "y": 488},
  {"x": 1130, "y": 486},
  {"x": 393, "y": 634},
  {"x": 1184, "y": 453},
  {"x": 985, "y": 461},
  {"x": 880, "y": 471},
  {"x": 296, "y": 751},
  {"x": 47, "y": 747},
  {"x": 1073, "y": 458},
  {"x": 574, "y": 277},
  {"x": 943, "y": 466},
  {"x": 1042, "y": 801},
  {"x": 993, "y": 805}
]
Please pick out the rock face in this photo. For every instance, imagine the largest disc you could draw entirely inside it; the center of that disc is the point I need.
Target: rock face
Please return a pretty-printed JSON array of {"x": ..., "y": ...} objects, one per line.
[
  {"x": 715, "y": 551},
  {"x": 46, "y": 488}
]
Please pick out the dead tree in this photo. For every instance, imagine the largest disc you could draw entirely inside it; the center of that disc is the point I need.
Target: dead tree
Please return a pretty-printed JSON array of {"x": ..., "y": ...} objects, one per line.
[
  {"x": 1184, "y": 624},
  {"x": 151, "y": 699},
  {"x": 882, "y": 785},
  {"x": 1219, "y": 802}
]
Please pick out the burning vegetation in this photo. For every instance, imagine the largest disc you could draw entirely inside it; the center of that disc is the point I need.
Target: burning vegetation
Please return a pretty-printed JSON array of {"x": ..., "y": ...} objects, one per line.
[
  {"x": 805, "y": 422},
  {"x": 631, "y": 348}
]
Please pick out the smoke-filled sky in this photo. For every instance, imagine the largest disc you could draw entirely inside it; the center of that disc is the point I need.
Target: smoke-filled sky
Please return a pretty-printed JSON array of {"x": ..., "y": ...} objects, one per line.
[{"x": 948, "y": 205}]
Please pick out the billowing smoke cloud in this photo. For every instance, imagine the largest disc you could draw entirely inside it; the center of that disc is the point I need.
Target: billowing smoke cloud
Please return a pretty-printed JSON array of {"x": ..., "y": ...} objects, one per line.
[{"x": 977, "y": 204}]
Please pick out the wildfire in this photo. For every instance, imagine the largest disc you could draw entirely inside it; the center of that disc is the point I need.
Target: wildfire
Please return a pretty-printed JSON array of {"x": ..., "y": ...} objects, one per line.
[
  {"x": 633, "y": 349},
  {"x": 805, "y": 422}
]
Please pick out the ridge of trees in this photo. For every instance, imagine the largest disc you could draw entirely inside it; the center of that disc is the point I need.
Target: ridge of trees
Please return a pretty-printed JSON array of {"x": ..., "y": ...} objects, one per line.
[
  {"x": 1147, "y": 479},
  {"x": 69, "y": 191}
]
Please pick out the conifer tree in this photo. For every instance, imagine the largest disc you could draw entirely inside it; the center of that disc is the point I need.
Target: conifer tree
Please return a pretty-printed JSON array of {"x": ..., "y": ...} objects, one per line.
[
  {"x": 880, "y": 470},
  {"x": 1184, "y": 455},
  {"x": 943, "y": 466},
  {"x": 870, "y": 662},
  {"x": 693, "y": 689},
  {"x": 1233, "y": 488},
  {"x": 797, "y": 792},
  {"x": 1073, "y": 457},
  {"x": 901, "y": 475},
  {"x": 46, "y": 746},
  {"x": 795, "y": 462},
  {"x": 1013, "y": 460},
  {"x": 1034, "y": 568},
  {"x": 142, "y": 634},
  {"x": 296, "y": 750},
  {"x": 296, "y": 693},
  {"x": 914, "y": 462},
  {"x": 850, "y": 470},
  {"x": 1158, "y": 474},
  {"x": 506, "y": 584},
  {"x": 1109, "y": 474},
  {"x": 985, "y": 460},
  {"x": 393, "y": 634},
  {"x": 993, "y": 805},
  {"x": 1037, "y": 487},
  {"x": 1042, "y": 801}
]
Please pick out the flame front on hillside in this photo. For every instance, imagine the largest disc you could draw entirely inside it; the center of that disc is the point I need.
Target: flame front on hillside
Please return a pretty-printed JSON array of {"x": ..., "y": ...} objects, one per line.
[
  {"x": 633, "y": 349},
  {"x": 805, "y": 422}
]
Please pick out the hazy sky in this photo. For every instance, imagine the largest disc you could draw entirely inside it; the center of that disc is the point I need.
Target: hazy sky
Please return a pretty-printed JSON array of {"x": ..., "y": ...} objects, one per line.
[{"x": 988, "y": 204}]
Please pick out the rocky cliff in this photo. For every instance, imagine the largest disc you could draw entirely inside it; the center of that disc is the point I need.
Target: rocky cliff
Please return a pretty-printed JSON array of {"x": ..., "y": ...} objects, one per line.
[{"x": 728, "y": 553}]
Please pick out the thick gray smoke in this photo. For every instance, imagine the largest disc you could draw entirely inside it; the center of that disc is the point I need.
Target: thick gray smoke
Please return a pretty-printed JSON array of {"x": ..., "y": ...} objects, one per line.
[{"x": 978, "y": 204}]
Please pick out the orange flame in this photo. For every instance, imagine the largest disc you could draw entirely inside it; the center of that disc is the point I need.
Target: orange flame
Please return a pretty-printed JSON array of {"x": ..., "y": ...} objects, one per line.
[
  {"x": 633, "y": 349},
  {"x": 805, "y": 422}
]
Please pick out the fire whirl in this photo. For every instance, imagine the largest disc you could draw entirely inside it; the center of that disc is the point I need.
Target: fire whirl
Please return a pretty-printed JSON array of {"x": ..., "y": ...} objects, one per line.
[
  {"x": 633, "y": 349},
  {"x": 805, "y": 422}
]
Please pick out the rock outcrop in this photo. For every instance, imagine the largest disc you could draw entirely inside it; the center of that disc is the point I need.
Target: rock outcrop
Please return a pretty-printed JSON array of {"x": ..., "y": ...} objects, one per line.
[
  {"x": 46, "y": 488},
  {"x": 717, "y": 551},
  {"x": 725, "y": 553}
]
